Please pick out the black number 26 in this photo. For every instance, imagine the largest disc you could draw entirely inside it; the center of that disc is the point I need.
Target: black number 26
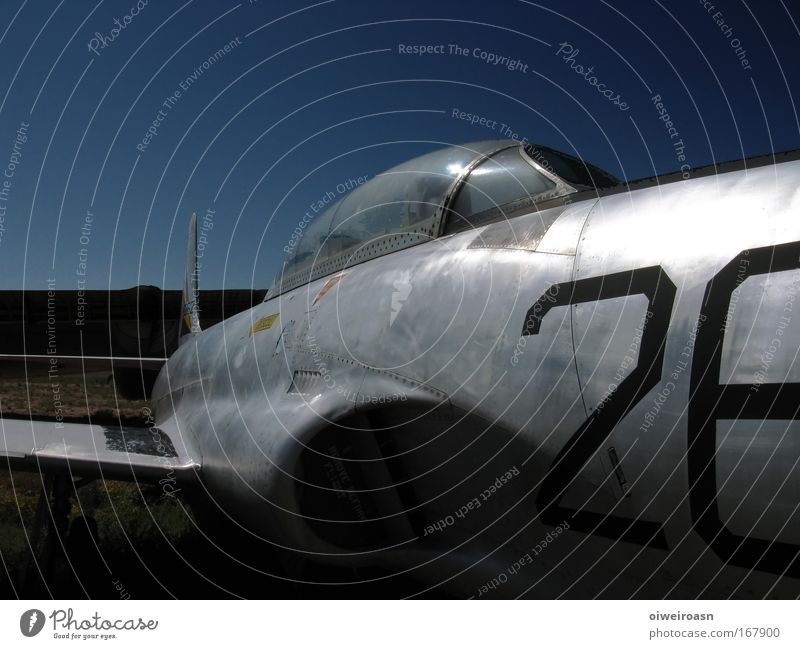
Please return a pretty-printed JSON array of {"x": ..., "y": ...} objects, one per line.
[{"x": 709, "y": 401}]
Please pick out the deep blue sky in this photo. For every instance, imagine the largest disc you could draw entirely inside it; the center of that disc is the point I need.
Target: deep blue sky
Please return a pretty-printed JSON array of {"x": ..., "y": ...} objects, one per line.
[{"x": 276, "y": 123}]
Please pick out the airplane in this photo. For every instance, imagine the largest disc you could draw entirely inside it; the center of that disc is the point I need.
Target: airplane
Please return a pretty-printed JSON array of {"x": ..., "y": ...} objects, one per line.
[{"x": 498, "y": 371}]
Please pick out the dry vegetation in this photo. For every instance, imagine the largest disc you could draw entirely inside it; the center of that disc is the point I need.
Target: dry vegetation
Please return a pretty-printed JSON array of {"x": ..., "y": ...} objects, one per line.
[
  {"x": 93, "y": 396},
  {"x": 129, "y": 517}
]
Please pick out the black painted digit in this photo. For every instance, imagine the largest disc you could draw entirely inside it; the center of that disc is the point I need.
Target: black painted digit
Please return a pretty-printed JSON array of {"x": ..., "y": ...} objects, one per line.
[
  {"x": 710, "y": 401},
  {"x": 653, "y": 283}
]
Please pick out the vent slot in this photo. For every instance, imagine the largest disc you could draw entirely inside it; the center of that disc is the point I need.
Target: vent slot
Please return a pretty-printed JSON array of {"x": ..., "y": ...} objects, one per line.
[{"x": 304, "y": 381}]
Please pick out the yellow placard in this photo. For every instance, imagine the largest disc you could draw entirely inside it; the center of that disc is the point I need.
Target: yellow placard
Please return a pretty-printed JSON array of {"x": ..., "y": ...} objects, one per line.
[{"x": 263, "y": 323}]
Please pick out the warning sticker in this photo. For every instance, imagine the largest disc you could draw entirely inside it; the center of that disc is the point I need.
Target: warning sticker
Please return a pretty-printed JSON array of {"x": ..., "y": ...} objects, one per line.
[
  {"x": 263, "y": 323},
  {"x": 333, "y": 281}
]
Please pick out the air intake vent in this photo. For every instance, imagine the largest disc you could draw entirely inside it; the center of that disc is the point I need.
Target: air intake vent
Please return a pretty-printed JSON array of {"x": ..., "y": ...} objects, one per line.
[{"x": 304, "y": 381}]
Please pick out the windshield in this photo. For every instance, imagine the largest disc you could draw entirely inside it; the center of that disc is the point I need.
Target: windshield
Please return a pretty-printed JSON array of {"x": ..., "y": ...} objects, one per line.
[
  {"x": 498, "y": 187},
  {"x": 394, "y": 210}
]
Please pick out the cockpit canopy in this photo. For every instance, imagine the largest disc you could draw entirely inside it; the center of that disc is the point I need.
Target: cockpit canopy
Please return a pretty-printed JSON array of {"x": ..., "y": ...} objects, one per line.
[{"x": 438, "y": 193}]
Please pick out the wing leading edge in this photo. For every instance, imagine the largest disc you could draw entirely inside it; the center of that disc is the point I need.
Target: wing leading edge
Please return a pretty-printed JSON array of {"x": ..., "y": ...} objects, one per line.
[{"x": 90, "y": 450}]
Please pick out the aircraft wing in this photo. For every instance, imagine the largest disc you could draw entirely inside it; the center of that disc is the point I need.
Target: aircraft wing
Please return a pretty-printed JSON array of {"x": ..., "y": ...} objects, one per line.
[{"x": 143, "y": 454}]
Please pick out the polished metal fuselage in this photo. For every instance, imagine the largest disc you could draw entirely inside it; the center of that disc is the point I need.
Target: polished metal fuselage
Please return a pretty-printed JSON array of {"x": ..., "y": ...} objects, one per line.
[{"x": 529, "y": 408}]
